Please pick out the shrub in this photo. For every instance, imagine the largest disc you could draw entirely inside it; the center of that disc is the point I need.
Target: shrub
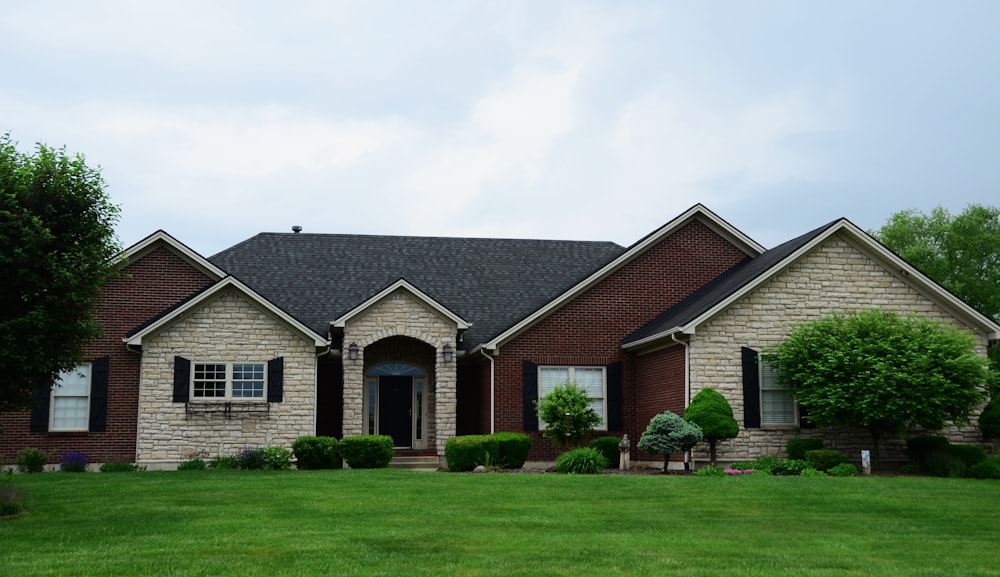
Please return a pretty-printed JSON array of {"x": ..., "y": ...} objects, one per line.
[
  {"x": 668, "y": 433},
  {"x": 810, "y": 472},
  {"x": 192, "y": 465},
  {"x": 712, "y": 413},
  {"x": 74, "y": 462},
  {"x": 31, "y": 460},
  {"x": 989, "y": 419},
  {"x": 796, "y": 448},
  {"x": 118, "y": 468},
  {"x": 918, "y": 449},
  {"x": 367, "y": 451},
  {"x": 276, "y": 458},
  {"x": 581, "y": 461},
  {"x": 988, "y": 469},
  {"x": 952, "y": 460},
  {"x": 608, "y": 447},
  {"x": 710, "y": 471},
  {"x": 568, "y": 398},
  {"x": 316, "y": 453},
  {"x": 466, "y": 452},
  {"x": 843, "y": 470},
  {"x": 224, "y": 462},
  {"x": 513, "y": 448},
  {"x": 825, "y": 459},
  {"x": 12, "y": 499},
  {"x": 789, "y": 467},
  {"x": 249, "y": 458}
]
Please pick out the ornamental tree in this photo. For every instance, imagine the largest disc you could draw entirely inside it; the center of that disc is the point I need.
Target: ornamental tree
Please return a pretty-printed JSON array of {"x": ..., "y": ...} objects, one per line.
[
  {"x": 568, "y": 417},
  {"x": 711, "y": 411},
  {"x": 882, "y": 372},
  {"x": 666, "y": 434},
  {"x": 57, "y": 245}
]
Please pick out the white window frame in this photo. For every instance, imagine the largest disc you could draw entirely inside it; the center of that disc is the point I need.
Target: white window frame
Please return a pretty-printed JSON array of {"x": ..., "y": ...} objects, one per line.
[
  {"x": 228, "y": 391},
  {"x": 571, "y": 376},
  {"x": 769, "y": 386},
  {"x": 56, "y": 395}
]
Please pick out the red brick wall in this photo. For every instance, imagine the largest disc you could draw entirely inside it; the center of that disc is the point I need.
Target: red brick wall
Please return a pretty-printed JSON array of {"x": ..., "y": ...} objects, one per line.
[
  {"x": 659, "y": 387},
  {"x": 589, "y": 330},
  {"x": 150, "y": 285}
]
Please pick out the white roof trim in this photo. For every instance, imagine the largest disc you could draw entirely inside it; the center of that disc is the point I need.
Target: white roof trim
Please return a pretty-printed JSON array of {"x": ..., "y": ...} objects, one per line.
[
  {"x": 401, "y": 284},
  {"x": 896, "y": 265},
  {"x": 147, "y": 244},
  {"x": 210, "y": 293},
  {"x": 745, "y": 243}
]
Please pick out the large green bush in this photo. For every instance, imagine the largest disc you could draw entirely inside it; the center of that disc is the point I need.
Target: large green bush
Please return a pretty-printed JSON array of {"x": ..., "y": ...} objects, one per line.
[
  {"x": 466, "y": 452},
  {"x": 316, "y": 453},
  {"x": 565, "y": 399},
  {"x": 796, "y": 448},
  {"x": 513, "y": 449},
  {"x": 608, "y": 447},
  {"x": 712, "y": 413},
  {"x": 367, "y": 451},
  {"x": 581, "y": 461},
  {"x": 825, "y": 459}
]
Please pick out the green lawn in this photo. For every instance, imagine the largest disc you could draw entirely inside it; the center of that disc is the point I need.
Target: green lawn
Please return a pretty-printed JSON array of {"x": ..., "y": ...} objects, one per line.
[{"x": 401, "y": 523}]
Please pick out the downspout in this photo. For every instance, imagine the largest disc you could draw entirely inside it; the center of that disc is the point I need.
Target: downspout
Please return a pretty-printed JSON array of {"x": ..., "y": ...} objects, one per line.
[
  {"x": 493, "y": 406},
  {"x": 687, "y": 387}
]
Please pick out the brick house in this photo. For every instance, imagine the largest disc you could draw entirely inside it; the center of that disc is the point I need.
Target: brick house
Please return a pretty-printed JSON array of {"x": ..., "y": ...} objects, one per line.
[{"x": 423, "y": 338}]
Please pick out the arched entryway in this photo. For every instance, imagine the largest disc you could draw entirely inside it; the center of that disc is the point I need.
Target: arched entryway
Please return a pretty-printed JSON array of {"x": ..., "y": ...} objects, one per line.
[{"x": 396, "y": 400}]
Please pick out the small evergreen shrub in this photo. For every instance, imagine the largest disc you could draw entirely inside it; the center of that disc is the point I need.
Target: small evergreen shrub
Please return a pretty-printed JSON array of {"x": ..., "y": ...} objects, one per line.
[
  {"x": 118, "y": 468},
  {"x": 810, "y": 472},
  {"x": 224, "y": 462},
  {"x": 825, "y": 459},
  {"x": 710, "y": 471},
  {"x": 988, "y": 469},
  {"x": 989, "y": 419},
  {"x": 843, "y": 470},
  {"x": 585, "y": 461},
  {"x": 796, "y": 448},
  {"x": 513, "y": 449},
  {"x": 276, "y": 458},
  {"x": 192, "y": 465},
  {"x": 316, "y": 453},
  {"x": 608, "y": 447},
  {"x": 466, "y": 452},
  {"x": 30, "y": 460},
  {"x": 75, "y": 462},
  {"x": 367, "y": 451},
  {"x": 918, "y": 449},
  {"x": 789, "y": 467},
  {"x": 249, "y": 458}
]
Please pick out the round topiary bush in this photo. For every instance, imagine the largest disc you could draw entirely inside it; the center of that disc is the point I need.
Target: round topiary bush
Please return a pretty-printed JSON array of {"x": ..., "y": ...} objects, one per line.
[
  {"x": 712, "y": 413},
  {"x": 513, "y": 449},
  {"x": 825, "y": 459},
  {"x": 316, "y": 453},
  {"x": 843, "y": 470},
  {"x": 367, "y": 451},
  {"x": 466, "y": 452},
  {"x": 585, "y": 461},
  {"x": 608, "y": 447}
]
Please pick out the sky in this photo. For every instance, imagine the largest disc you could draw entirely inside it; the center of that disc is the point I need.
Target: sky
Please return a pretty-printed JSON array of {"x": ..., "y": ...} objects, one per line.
[{"x": 216, "y": 120}]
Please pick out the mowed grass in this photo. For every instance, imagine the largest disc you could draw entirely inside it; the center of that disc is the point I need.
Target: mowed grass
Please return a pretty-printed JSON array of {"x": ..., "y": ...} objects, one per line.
[{"x": 402, "y": 523}]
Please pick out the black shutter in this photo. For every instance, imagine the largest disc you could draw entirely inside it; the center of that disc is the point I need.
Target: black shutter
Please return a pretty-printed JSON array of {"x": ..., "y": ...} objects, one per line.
[
  {"x": 39, "y": 420},
  {"x": 182, "y": 380},
  {"x": 99, "y": 370},
  {"x": 276, "y": 380},
  {"x": 529, "y": 392},
  {"x": 751, "y": 389},
  {"x": 615, "y": 400}
]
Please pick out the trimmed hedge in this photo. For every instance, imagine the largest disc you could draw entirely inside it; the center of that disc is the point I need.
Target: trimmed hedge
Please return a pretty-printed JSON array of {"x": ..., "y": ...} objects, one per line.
[
  {"x": 316, "y": 453},
  {"x": 796, "y": 448},
  {"x": 466, "y": 452},
  {"x": 367, "y": 451},
  {"x": 513, "y": 449},
  {"x": 608, "y": 448},
  {"x": 825, "y": 459}
]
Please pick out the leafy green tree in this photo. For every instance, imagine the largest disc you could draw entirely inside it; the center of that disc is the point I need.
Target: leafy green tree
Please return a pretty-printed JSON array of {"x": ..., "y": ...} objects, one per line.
[
  {"x": 57, "y": 245},
  {"x": 668, "y": 433},
  {"x": 882, "y": 372},
  {"x": 960, "y": 252},
  {"x": 711, "y": 411},
  {"x": 567, "y": 415}
]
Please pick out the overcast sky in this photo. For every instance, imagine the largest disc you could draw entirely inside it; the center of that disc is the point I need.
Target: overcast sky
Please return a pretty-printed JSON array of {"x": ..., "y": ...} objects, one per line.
[{"x": 541, "y": 119}]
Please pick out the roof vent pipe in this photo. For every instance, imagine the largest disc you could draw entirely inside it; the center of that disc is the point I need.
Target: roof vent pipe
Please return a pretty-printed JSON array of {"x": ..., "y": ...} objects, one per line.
[{"x": 296, "y": 229}]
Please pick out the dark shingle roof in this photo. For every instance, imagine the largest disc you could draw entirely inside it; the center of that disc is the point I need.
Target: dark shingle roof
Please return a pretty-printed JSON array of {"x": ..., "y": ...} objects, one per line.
[
  {"x": 491, "y": 283},
  {"x": 720, "y": 288}
]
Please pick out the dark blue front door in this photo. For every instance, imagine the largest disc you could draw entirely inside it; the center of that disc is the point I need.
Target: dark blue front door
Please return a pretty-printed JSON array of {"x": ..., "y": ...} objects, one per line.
[{"x": 395, "y": 409}]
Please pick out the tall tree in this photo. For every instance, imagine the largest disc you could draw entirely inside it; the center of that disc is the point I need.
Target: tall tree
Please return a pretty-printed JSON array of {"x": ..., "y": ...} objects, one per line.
[
  {"x": 882, "y": 372},
  {"x": 57, "y": 245}
]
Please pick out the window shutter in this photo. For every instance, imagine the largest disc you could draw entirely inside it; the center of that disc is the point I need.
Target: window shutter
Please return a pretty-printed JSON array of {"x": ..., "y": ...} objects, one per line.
[
  {"x": 751, "y": 389},
  {"x": 39, "y": 420},
  {"x": 529, "y": 382},
  {"x": 275, "y": 380},
  {"x": 615, "y": 398},
  {"x": 99, "y": 394},
  {"x": 182, "y": 380}
]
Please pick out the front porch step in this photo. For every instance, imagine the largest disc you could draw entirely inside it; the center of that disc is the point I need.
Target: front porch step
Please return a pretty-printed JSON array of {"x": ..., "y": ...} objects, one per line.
[{"x": 416, "y": 462}]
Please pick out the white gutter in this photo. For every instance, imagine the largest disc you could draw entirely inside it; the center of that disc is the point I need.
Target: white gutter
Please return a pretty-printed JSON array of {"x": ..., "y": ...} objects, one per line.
[
  {"x": 493, "y": 405},
  {"x": 688, "y": 462}
]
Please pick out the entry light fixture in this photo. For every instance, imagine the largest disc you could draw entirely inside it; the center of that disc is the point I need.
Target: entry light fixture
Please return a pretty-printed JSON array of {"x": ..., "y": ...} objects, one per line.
[
  {"x": 447, "y": 352},
  {"x": 352, "y": 351}
]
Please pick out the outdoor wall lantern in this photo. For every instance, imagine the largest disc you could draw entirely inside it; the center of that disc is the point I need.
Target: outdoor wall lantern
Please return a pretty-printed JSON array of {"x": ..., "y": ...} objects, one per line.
[
  {"x": 352, "y": 351},
  {"x": 447, "y": 352}
]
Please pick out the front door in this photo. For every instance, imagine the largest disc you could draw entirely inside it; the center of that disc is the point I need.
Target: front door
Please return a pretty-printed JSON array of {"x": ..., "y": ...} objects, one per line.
[{"x": 395, "y": 408}]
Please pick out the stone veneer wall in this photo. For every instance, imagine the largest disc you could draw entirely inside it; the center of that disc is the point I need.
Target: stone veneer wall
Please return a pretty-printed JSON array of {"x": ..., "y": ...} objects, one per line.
[
  {"x": 228, "y": 329},
  {"x": 834, "y": 277},
  {"x": 402, "y": 314}
]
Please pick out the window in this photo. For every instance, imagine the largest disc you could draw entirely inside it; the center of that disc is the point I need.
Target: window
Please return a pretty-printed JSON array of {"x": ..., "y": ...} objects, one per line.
[
  {"x": 777, "y": 405},
  {"x": 70, "y": 403},
  {"x": 228, "y": 381},
  {"x": 590, "y": 379}
]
